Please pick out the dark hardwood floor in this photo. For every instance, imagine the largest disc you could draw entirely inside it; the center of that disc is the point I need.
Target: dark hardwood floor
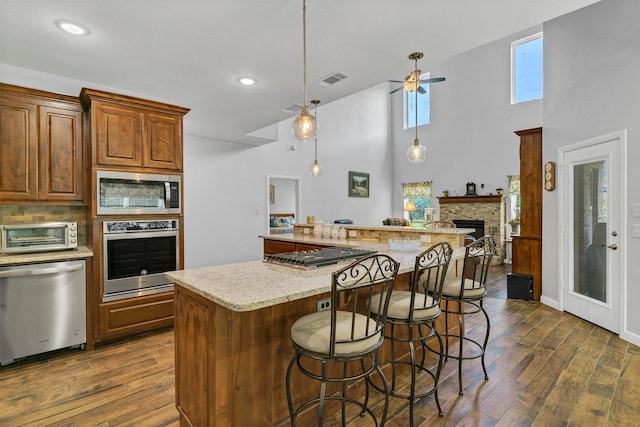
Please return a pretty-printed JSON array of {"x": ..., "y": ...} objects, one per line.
[{"x": 546, "y": 368}]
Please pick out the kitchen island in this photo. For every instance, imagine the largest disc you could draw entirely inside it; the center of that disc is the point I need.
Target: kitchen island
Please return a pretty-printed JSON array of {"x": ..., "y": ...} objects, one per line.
[{"x": 233, "y": 345}]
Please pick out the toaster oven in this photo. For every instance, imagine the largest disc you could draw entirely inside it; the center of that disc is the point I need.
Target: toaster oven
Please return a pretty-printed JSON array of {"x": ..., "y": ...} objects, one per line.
[{"x": 38, "y": 237}]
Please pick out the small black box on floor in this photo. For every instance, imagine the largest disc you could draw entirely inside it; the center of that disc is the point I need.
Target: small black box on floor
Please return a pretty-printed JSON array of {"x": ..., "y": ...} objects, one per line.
[{"x": 520, "y": 286}]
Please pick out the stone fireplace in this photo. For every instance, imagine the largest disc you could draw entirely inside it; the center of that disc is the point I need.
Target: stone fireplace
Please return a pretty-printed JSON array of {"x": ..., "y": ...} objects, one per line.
[{"x": 490, "y": 209}]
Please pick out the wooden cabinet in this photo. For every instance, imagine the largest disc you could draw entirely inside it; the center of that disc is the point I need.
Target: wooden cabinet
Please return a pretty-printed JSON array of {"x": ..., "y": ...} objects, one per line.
[
  {"x": 527, "y": 247},
  {"x": 41, "y": 147},
  {"x": 121, "y": 318},
  {"x": 129, "y": 132},
  {"x": 272, "y": 247}
]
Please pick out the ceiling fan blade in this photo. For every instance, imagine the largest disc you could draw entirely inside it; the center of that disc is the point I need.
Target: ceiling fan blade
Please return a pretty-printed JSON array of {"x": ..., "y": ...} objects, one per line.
[
  {"x": 421, "y": 90},
  {"x": 395, "y": 90},
  {"x": 433, "y": 80},
  {"x": 395, "y": 81}
]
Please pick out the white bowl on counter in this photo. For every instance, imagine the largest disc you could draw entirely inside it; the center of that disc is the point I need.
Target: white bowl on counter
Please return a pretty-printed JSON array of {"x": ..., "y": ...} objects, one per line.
[{"x": 404, "y": 245}]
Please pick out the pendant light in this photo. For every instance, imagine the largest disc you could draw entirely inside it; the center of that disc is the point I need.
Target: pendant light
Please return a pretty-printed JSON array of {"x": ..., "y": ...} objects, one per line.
[
  {"x": 417, "y": 152},
  {"x": 304, "y": 126},
  {"x": 316, "y": 168}
]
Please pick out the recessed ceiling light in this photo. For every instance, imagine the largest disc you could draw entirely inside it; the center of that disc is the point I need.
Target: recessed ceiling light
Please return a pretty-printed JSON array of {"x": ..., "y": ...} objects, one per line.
[
  {"x": 72, "y": 27},
  {"x": 247, "y": 81}
]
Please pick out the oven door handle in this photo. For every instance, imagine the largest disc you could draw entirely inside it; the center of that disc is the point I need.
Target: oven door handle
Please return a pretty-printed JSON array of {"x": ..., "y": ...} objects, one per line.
[
  {"x": 38, "y": 271},
  {"x": 140, "y": 235}
]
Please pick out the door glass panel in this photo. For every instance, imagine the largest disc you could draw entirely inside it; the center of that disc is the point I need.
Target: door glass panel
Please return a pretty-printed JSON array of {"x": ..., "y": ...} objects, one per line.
[{"x": 590, "y": 229}]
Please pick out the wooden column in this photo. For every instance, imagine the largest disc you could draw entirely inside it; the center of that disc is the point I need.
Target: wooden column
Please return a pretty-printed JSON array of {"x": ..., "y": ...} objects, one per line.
[{"x": 527, "y": 248}]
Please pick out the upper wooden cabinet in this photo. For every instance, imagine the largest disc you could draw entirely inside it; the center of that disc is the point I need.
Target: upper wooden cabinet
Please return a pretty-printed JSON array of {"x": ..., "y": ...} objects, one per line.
[
  {"x": 132, "y": 132},
  {"x": 41, "y": 147}
]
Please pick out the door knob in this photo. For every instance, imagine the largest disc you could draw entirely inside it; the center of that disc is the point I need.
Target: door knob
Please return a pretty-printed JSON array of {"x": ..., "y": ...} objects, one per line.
[{"x": 614, "y": 246}]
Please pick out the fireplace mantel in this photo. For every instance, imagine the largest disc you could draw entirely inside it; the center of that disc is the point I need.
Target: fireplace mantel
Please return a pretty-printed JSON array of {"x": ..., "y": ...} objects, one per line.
[{"x": 472, "y": 199}]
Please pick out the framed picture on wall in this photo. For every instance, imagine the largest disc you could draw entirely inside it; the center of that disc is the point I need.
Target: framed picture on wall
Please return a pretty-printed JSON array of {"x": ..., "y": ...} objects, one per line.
[{"x": 358, "y": 184}]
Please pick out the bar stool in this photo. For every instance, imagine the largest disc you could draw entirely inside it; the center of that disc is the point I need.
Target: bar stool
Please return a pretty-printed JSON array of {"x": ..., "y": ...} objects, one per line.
[
  {"x": 465, "y": 293},
  {"x": 341, "y": 345},
  {"x": 416, "y": 311}
]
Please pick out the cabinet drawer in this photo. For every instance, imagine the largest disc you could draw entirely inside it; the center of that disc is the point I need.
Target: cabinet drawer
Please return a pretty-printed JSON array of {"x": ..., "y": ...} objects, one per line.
[{"x": 126, "y": 317}]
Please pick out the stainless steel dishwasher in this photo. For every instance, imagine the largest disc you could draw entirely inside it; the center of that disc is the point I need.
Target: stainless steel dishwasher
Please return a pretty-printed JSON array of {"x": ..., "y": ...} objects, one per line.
[{"x": 42, "y": 308}]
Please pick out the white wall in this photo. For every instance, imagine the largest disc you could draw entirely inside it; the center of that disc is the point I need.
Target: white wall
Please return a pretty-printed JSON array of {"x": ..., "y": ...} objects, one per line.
[
  {"x": 225, "y": 183},
  {"x": 471, "y": 136},
  {"x": 593, "y": 89},
  {"x": 285, "y": 196}
]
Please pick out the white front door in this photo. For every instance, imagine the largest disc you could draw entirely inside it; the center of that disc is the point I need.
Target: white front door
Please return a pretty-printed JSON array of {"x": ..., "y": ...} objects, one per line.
[{"x": 591, "y": 208}]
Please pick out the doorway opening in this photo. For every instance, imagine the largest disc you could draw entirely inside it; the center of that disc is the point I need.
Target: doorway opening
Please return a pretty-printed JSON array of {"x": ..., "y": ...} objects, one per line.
[{"x": 283, "y": 203}]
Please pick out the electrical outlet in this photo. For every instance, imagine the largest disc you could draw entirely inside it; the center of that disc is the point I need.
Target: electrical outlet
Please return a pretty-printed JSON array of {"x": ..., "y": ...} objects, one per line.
[{"x": 323, "y": 304}]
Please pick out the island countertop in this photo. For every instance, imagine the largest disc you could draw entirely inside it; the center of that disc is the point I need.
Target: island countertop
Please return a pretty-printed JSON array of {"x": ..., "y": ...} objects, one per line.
[{"x": 252, "y": 285}]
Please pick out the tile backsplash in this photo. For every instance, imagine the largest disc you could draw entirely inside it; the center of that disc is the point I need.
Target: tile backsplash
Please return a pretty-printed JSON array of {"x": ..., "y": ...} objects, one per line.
[{"x": 11, "y": 214}]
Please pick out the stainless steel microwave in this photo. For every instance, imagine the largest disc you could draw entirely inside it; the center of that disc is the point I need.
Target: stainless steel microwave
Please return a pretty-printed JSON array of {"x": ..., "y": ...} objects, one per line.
[{"x": 128, "y": 193}]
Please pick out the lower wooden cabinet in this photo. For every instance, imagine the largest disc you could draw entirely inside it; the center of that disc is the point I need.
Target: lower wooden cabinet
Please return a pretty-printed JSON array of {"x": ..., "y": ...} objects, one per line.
[
  {"x": 120, "y": 318},
  {"x": 272, "y": 247}
]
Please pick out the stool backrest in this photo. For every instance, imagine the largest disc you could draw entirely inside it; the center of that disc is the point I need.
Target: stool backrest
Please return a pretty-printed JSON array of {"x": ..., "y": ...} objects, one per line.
[
  {"x": 351, "y": 289},
  {"x": 428, "y": 277},
  {"x": 477, "y": 260}
]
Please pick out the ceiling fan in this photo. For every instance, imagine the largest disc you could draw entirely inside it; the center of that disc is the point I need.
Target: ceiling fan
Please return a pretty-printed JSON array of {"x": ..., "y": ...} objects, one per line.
[{"x": 412, "y": 82}]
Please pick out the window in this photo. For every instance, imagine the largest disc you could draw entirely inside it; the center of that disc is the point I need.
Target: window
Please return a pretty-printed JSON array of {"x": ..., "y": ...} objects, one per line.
[
  {"x": 420, "y": 194},
  {"x": 513, "y": 204},
  {"x": 526, "y": 69},
  {"x": 424, "y": 106}
]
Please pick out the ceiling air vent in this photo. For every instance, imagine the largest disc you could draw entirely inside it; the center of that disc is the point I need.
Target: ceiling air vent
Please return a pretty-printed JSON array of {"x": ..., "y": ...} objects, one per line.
[
  {"x": 293, "y": 108},
  {"x": 332, "y": 79}
]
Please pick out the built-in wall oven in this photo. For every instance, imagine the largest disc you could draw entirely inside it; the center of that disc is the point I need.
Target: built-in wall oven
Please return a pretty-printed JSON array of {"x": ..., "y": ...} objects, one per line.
[{"x": 136, "y": 255}]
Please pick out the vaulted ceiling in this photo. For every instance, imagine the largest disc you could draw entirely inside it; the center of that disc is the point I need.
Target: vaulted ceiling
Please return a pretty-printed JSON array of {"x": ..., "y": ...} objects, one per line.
[{"x": 191, "y": 52}]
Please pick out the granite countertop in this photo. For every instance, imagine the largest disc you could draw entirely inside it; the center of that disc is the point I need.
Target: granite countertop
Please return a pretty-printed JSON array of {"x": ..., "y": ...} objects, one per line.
[
  {"x": 397, "y": 228},
  {"x": 254, "y": 285},
  {"x": 40, "y": 257}
]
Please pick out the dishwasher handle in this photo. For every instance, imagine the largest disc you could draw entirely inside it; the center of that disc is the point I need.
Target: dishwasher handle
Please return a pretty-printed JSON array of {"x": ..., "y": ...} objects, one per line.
[{"x": 38, "y": 271}]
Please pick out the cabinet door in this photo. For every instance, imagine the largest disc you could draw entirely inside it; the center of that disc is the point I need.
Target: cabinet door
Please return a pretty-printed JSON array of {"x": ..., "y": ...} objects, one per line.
[
  {"x": 18, "y": 149},
  {"x": 163, "y": 148},
  {"x": 117, "y": 133},
  {"x": 61, "y": 156}
]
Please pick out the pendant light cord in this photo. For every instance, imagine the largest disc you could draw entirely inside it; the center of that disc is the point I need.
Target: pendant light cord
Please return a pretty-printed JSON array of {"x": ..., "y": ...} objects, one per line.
[
  {"x": 416, "y": 106},
  {"x": 304, "y": 48}
]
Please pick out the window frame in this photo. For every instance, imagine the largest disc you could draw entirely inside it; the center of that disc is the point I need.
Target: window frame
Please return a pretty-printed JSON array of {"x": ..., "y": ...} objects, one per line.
[{"x": 514, "y": 45}]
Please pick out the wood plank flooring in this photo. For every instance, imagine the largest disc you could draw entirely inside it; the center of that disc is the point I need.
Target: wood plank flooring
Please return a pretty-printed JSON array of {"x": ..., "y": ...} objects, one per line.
[{"x": 546, "y": 368}]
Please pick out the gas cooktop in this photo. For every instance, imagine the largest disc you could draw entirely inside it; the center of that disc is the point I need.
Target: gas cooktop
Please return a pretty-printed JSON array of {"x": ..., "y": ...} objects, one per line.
[{"x": 319, "y": 257}]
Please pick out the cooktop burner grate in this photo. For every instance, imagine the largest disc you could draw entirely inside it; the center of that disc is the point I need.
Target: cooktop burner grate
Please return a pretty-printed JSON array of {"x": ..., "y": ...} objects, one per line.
[{"x": 318, "y": 257}]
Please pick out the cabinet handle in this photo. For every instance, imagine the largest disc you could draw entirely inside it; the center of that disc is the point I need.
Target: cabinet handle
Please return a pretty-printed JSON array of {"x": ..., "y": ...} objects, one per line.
[{"x": 37, "y": 271}]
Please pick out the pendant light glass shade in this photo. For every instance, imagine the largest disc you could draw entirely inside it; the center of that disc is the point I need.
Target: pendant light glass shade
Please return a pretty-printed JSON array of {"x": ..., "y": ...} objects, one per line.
[
  {"x": 417, "y": 152},
  {"x": 316, "y": 169},
  {"x": 304, "y": 126}
]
